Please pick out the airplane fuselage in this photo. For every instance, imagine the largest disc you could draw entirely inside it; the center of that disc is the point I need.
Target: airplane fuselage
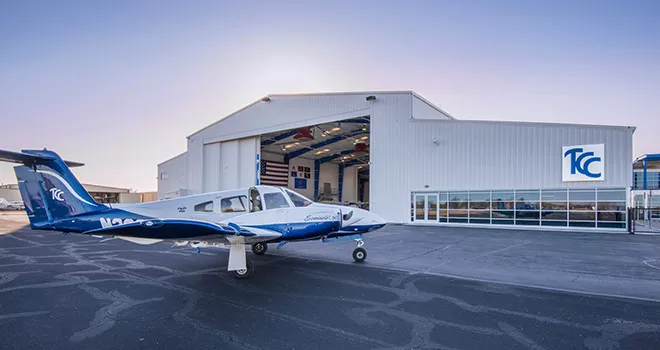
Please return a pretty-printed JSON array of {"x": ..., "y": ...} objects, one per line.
[{"x": 295, "y": 223}]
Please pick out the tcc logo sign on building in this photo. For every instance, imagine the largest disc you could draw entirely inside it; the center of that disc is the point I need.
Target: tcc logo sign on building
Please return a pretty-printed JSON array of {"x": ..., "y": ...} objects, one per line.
[{"x": 583, "y": 163}]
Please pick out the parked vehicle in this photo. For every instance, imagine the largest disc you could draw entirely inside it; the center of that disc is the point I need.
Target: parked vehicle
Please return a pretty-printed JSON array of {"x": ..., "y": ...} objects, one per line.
[
  {"x": 16, "y": 205},
  {"x": 3, "y": 204}
]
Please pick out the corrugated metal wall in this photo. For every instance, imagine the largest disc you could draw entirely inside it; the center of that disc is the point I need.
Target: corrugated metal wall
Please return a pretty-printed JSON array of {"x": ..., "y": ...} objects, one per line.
[
  {"x": 11, "y": 194},
  {"x": 460, "y": 155},
  {"x": 230, "y": 164},
  {"x": 211, "y": 167},
  {"x": 176, "y": 170}
]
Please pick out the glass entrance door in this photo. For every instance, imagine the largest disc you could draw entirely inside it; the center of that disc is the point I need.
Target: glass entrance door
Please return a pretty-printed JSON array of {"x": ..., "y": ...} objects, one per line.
[{"x": 426, "y": 207}]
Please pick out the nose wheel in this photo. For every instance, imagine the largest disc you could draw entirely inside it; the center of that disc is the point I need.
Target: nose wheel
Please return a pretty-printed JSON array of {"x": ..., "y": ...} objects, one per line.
[{"x": 359, "y": 254}]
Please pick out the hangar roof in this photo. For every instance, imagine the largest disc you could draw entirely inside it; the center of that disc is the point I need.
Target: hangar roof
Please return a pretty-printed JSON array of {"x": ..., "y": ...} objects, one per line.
[{"x": 327, "y": 94}]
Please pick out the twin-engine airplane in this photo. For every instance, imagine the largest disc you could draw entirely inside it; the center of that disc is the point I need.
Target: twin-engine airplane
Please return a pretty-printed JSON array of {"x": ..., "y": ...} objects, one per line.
[{"x": 55, "y": 200}]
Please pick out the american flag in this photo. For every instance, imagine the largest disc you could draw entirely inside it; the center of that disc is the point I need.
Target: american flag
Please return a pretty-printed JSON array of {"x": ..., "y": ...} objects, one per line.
[{"x": 274, "y": 173}]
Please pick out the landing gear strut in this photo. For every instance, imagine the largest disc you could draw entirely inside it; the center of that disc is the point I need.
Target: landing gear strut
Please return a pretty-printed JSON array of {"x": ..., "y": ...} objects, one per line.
[
  {"x": 359, "y": 254},
  {"x": 244, "y": 273},
  {"x": 259, "y": 248}
]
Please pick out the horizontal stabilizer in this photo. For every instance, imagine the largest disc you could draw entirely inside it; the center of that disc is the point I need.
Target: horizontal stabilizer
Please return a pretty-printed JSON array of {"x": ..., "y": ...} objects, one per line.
[{"x": 27, "y": 158}]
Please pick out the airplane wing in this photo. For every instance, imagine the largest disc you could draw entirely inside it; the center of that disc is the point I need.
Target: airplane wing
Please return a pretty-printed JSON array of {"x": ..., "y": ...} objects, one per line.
[{"x": 186, "y": 229}]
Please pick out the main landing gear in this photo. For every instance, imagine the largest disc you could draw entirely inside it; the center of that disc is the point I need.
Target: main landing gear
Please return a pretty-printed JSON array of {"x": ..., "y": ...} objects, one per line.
[
  {"x": 359, "y": 254},
  {"x": 259, "y": 248},
  {"x": 244, "y": 273}
]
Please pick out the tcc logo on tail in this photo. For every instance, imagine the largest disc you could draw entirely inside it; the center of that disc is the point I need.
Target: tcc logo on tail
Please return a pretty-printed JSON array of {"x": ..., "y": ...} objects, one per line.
[
  {"x": 583, "y": 163},
  {"x": 56, "y": 193}
]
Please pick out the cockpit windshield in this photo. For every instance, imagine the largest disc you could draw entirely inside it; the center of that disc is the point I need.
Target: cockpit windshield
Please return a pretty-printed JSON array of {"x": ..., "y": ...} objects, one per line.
[
  {"x": 298, "y": 200},
  {"x": 275, "y": 200}
]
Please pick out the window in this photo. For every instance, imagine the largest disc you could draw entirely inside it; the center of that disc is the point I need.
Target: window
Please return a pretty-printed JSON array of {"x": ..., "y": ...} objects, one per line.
[
  {"x": 480, "y": 207},
  {"x": 442, "y": 207},
  {"x": 298, "y": 200},
  {"x": 554, "y": 200},
  {"x": 163, "y": 176},
  {"x": 652, "y": 180},
  {"x": 554, "y": 207},
  {"x": 654, "y": 202},
  {"x": 580, "y": 207},
  {"x": 275, "y": 200},
  {"x": 233, "y": 204},
  {"x": 611, "y": 207},
  {"x": 255, "y": 200},
  {"x": 206, "y": 207},
  {"x": 503, "y": 207},
  {"x": 458, "y": 207}
]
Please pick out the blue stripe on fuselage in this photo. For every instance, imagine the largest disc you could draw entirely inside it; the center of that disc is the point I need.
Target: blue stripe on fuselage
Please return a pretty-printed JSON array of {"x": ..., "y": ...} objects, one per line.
[{"x": 301, "y": 230}]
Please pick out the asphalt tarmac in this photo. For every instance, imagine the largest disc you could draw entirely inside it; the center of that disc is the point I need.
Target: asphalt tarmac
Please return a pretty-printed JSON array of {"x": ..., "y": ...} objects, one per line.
[{"x": 79, "y": 292}]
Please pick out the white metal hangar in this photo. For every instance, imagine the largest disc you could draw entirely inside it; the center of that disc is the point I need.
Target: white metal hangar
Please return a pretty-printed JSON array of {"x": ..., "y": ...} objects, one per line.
[{"x": 411, "y": 162}]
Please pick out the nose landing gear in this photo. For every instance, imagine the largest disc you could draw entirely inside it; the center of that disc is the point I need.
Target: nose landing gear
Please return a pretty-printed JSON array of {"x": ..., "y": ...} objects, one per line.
[{"x": 359, "y": 254}]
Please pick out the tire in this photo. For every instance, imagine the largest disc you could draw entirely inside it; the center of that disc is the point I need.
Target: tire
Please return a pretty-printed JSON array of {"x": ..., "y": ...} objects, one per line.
[
  {"x": 359, "y": 254},
  {"x": 259, "y": 248},
  {"x": 243, "y": 274}
]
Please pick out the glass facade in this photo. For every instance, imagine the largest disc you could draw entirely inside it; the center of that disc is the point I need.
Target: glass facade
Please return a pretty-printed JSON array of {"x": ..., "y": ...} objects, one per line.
[
  {"x": 652, "y": 180},
  {"x": 594, "y": 208}
]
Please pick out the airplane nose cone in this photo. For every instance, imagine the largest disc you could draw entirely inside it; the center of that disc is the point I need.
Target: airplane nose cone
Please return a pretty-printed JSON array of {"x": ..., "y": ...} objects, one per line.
[{"x": 377, "y": 221}]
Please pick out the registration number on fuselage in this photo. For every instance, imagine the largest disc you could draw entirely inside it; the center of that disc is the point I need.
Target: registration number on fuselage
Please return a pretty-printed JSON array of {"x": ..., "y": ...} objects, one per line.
[{"x": 107, "y": 222}]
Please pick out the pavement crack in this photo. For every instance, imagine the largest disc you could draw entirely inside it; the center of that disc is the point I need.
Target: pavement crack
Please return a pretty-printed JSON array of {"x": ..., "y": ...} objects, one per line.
[
  {"x": 419, "y": 255},
  {"x": 104, "y": 319},
  {"x": 501, "y": 250},
  {"x": 23, "y": 314}
]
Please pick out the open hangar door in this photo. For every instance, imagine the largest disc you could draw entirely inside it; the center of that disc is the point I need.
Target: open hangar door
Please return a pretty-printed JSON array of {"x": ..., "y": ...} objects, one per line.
[{"x": 327, "y": 162}]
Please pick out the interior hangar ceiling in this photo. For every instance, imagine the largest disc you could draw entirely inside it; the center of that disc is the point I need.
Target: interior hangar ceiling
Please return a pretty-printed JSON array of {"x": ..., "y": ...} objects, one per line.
[{"x": 342, "y": 142}]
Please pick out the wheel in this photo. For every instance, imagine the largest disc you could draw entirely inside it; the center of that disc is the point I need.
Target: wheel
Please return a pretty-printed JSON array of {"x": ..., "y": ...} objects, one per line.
[
  {"x": 247, "y": 273},
  {"x": 259, "y": 248},
  {"x": 359, "y": 254}
]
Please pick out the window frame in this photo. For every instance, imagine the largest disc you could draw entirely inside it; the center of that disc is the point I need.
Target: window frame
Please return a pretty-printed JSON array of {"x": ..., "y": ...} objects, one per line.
[
  {"x": 240, "y": 199},
  {"x": 197, "y": 207},
  {"x": 266, "y": 206},
  {"x": 291, "y": 194}
]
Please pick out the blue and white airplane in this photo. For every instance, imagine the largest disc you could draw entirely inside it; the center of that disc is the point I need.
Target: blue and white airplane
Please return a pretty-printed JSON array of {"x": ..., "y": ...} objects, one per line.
[{"x": 55, "y": 200}]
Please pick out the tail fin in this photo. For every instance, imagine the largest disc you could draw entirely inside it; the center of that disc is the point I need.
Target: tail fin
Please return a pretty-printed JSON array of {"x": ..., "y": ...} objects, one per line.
[{"x": 49, "y": 189}]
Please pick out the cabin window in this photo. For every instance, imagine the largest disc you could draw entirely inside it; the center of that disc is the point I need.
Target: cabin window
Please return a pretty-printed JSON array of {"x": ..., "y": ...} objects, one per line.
[
  {"x": 255, "y": 200},
  {"x": 233, "y": 204},
  {"x": 275, "y": 200},
  {"x": 298, "y": 200},
  {"x": 206, "y": 207}
]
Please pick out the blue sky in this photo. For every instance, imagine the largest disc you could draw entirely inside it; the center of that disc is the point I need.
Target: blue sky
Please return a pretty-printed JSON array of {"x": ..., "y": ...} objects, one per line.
[{"x": 118, "y": 85}]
